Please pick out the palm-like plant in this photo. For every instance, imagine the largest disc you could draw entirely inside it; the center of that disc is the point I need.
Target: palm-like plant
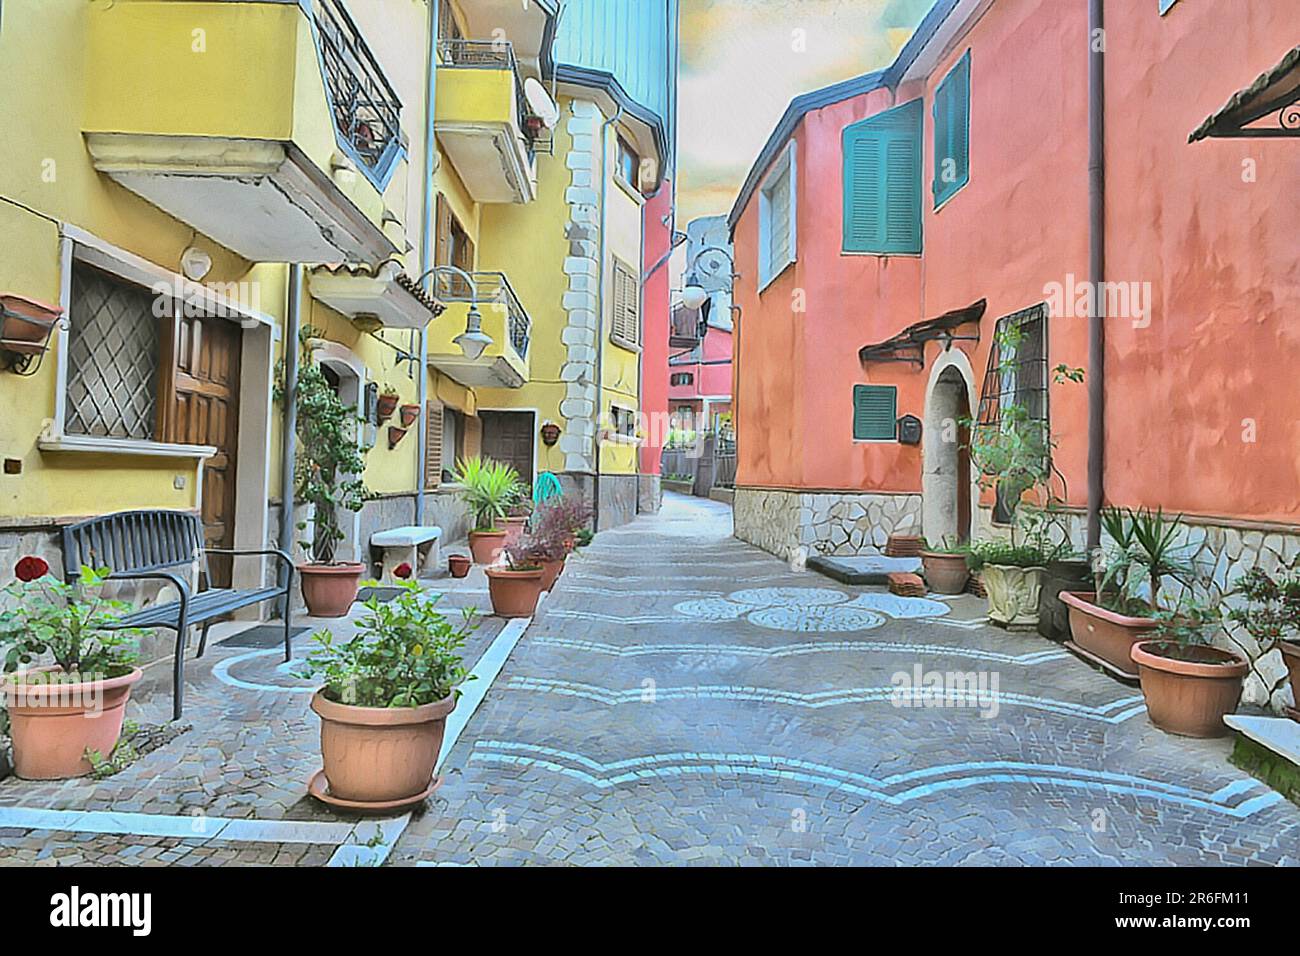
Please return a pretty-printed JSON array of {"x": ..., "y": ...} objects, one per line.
[
  {"x": 1147, "y": 545},
  {"x": 490, "y": 489}
]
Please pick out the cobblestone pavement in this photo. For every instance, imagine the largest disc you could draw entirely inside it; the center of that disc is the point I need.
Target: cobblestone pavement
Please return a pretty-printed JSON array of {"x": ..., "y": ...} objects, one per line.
[
  {"x": 685, "y": 698},
  {"x": 253, "y": 745}
]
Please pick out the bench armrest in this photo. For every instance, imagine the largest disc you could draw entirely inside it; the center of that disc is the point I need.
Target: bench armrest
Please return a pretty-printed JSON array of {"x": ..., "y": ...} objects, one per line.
[{"x": 181, "y": 584}]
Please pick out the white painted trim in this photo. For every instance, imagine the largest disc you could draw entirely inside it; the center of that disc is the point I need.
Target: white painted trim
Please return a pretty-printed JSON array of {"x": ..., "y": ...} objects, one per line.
[{"x": 90, "y": 444}]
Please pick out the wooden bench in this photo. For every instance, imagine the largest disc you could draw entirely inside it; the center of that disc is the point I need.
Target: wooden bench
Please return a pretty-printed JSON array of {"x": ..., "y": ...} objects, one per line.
[{"x": 161, "y": 546}]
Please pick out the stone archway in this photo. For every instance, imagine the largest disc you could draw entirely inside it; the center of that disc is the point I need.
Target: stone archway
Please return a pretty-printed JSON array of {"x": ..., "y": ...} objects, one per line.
[{"x": 949, "y": 486}]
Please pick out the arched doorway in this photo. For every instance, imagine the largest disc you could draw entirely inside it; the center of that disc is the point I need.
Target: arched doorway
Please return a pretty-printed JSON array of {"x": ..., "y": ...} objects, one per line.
[
  {"x": 947, "y": 482},
  {"x": 346, "y": 374}
]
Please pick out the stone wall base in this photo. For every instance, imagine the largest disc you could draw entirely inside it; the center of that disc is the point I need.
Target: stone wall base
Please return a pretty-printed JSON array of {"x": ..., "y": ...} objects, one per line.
[
  {"x": 650, "y": 494},
  {"x": 784, "y": 522}
]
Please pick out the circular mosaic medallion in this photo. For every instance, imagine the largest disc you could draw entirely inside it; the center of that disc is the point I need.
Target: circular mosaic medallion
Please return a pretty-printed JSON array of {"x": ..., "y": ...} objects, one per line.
[
  {"x": 789, "y": 597},
  {"x": 899, "y": 607},
  {"x": 713, "y": 609},
  {"x": 818, "y": 618}
]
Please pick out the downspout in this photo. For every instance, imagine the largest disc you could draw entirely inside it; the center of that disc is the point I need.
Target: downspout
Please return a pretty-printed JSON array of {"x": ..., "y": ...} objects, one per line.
[
  {"x": 600, "y": 310},
  {"x": 289, "y": 434},
  {"x": 1096, "y": 268},
  {"x": 426, "y": 253}
]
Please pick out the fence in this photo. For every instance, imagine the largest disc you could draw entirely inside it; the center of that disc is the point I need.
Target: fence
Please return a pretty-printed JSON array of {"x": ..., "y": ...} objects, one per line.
[{"x": 708, "y": 464}]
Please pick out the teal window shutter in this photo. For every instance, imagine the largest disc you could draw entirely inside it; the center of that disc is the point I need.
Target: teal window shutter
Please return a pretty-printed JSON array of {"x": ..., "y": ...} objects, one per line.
[
  {"x": 882, "y": 182},
  {"x": 952, "y": 132},
  {"x": 875, "y": 412}
]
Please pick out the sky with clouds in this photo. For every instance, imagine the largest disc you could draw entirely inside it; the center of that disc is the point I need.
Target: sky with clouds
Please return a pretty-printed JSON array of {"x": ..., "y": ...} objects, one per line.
[{"x": 744, "y": 60}]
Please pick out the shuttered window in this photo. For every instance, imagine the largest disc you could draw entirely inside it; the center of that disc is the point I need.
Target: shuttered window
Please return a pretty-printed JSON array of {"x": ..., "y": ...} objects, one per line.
[
  {"x": 625, "y": 323},
  {"x": 952, "y": 132},
  {"x": 778, "y": 218},
  {"x": 433, "y": 444},
  {"x": 875, "y": 413},
  {"x": 882, "y": 182}
]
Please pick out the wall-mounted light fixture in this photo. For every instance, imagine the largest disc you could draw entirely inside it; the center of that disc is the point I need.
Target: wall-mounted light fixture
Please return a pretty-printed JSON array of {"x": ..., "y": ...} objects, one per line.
[{"x": 473, "y": 341}]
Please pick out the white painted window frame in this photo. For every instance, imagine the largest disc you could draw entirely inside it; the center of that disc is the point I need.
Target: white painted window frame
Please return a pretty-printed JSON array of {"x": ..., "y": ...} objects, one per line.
[{"x": 768, "y": 270}]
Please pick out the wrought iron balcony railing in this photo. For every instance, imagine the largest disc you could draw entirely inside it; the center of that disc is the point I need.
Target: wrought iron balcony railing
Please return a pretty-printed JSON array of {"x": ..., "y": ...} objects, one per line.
[
  {"x": 493, "y": 290},
  {"x": 497, "y": 55},
  {"x": 367, "y": 111}
]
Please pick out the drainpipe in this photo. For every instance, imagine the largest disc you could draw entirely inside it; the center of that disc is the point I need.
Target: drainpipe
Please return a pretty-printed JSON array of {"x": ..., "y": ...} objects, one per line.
[
  {"x": 600, "y": 309},
  {"x": 1096, "y": 268},
  {"x": 289, "y": 434},
  {"x": 426, "y": 254}
]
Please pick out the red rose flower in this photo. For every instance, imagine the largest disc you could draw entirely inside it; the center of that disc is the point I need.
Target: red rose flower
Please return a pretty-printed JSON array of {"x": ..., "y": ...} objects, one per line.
[
  {"x": 30, "y": 568},
  {"x": 402, "y": 571}
]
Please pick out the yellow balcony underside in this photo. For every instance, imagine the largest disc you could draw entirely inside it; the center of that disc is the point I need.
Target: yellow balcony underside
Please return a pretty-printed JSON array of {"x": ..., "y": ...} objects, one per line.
[
  {"x": 500, "y": 366},
  {"x": 478, "y": 128},
  {"x": 218, "y": 114}
]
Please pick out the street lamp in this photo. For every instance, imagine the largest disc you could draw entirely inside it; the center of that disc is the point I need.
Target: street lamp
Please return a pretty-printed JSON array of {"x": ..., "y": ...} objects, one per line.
[
  {"x": 473, "y": 341},
  {"x": 694, "y": 295}
]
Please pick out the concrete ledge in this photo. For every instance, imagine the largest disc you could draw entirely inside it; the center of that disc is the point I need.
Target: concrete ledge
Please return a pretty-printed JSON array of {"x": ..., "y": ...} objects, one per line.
[
  {"x": 1268, "y": 748},
  {"x": 726, "y": 495},
  {"x": 863, "y": 569}
]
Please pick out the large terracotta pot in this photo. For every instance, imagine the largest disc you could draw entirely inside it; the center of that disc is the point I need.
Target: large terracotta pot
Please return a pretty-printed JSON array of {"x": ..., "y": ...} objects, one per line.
[
  {"x": 514, "y": 593},
  {"x": 380, "y": 754},
  {"x": 1013, "y": 594},
  {"x": 945, "y": 573},
  {"x": 551, "y": 572},
  {"x": 486, "y": 546},
  {"x": 1189, "y": 697},
  {"x": 1103, "y": 635},
  {"x": 328, "y": 590},
  {"x": 1291, "y": 657},
  {"x": 515, "y": 529},
  {"x": 53, "y": 725}
]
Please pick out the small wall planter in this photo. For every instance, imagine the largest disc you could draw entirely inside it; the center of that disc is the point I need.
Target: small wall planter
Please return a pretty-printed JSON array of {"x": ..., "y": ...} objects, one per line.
[
  {"x": 53, "y": 725},
  {"x": 486, "y": 546},
  {"x": 1189, "y": 694},
  {"x": 379, "y": 757},
  {"x": 1103, "y": 636},
  {"x": 945, "y": 573},
  {"x": 1013, "y": 595},
  {"x": 514, "y": 593},
  {"x": 385, "y": 405},
  {"x": 409, "y": 414},
  {"x": 328, "y": 590}
]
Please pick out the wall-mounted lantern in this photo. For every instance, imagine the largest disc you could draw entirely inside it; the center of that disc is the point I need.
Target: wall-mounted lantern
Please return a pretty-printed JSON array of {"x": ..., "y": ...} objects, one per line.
[
  {"x": 25, "y": 330},
  {"x": 550, "y": 434}
]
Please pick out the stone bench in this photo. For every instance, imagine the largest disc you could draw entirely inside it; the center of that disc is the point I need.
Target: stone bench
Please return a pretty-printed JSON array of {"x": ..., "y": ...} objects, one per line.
[{"x": 415, "y": 545}]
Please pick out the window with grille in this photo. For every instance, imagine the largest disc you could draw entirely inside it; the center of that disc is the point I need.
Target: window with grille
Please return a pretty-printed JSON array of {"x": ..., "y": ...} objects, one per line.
[
  {"x": 1015, "y": 388},
  {"x": 777, "y": 222},
  {"x": 623, "y": 420},
  {"x": 113, "y": 358},
  {"x": 625, "y": 324}
]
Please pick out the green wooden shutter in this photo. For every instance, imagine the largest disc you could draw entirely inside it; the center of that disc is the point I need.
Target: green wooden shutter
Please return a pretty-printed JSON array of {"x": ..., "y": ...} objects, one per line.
[
  {"x": 952, "y": 130},
  {"x": 882, "y": 182},
  {"x": 875, "y": 412}
]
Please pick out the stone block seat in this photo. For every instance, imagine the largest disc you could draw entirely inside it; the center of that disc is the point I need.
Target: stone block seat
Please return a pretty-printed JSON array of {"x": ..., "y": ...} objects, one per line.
[
  {"x": 415, "y": 545},
  {"x": 871, "y": 567}
]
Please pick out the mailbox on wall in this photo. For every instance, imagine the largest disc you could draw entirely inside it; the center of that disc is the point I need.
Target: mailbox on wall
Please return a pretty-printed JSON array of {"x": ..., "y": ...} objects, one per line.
[{"x": 909, "y": 430}]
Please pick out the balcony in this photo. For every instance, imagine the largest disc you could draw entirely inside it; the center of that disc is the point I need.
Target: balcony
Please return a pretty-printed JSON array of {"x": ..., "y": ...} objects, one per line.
[
  {"x": 484, "y": 123},
  {"x": 277, "y": 137},
  {"x": 504, "y": 364}
]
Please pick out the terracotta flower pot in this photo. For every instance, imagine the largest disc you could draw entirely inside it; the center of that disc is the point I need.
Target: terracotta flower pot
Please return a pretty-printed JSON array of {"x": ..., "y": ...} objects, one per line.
[
  {"x": 1013, "y": 594},
  {"x": 515, "y": 529},
  {"x": 1103, "y": 635},
  {"x": 459, "y": 565},
  {"x": 551, "y": 573},
  {"x": 486, "y": 546},
  {"x": 1189, "y": 697},
  {"x": 514, "y": 593},
  {"x": 409, "y": 414},
  {"x": 53, "y": 725},
  {"x": 386, "y": 405},
  {"x": 1291, "y": 657},
  {"x": 945, "y": 573},
  {"x": 380, "y": 754},
  {"x": 329, "y": 589}
]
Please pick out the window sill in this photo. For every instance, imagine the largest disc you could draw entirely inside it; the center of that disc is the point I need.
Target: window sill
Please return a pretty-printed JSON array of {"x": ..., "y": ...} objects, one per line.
[
  {"x": 633, "y": 193},
  {"x": 92, "y": 445},
  {"x": 625, "y": 344},
  {"x": 763, "y": 286}
]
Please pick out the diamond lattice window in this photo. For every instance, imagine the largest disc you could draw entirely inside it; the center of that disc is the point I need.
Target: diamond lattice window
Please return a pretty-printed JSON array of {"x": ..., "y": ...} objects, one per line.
[{"x": 113, "y": 348}]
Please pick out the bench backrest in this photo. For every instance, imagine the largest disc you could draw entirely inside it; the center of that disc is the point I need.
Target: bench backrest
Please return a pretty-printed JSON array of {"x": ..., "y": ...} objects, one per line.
[{"x": 133, "y": 541}]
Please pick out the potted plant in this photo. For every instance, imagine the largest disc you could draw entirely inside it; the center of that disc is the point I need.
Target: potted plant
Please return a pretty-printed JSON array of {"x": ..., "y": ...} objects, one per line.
[
  {"x": 1189, "y": 686},
  {"x": 1122, "y": 609},
  {"x": 387, "y": 402},
  {"x": 946, "y": 569},
  {"x": 388, "y": 691},
  {"x": 1272, "y": 617},
  {"x": 515, "y": 588},
  {"x": 327, "y": 473},
  {"x": 73, "y": 700},
  {"x": 1013, "y": 578},
  {"x": 459, "y": 565},
  {"x": 517, "y": 516},
  {"x": 488, "y": 488}
]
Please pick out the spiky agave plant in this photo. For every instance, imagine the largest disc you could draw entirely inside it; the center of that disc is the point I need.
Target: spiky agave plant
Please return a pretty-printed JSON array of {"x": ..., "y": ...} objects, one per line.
[{"x": 490, "y": 489}]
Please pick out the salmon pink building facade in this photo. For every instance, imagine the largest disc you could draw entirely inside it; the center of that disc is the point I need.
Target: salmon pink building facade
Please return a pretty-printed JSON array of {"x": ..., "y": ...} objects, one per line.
[{"x": 895, "y": 222}]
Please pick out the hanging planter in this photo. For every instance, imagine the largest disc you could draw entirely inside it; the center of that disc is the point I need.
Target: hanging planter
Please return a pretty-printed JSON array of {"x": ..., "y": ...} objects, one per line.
[
  {"x": 409, "y": 414},
  {"x": 395, "y": 436},
  {"x": 386, "y": 405},
  {"x": 25, "y": 330}
]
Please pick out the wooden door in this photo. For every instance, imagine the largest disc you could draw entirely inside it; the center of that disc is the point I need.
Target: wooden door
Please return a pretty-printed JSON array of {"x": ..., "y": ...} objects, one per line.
[
  {"x": 508, "y": 437},
  {"x": 204, "y": 410}
]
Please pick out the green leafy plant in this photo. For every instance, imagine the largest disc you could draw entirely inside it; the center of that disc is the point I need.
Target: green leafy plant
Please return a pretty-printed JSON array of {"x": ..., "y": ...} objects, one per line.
[
  {"x": 1147, "y": 550},
  {"x": 124, "y": 754},
  {"x": 329, "y": 461},
  {"x": 1004, "y": 553},
  {"x": 1271, "y": 614},
  {"x": 72, "y": 625},
  {"x": 405, "y": 653},
  {"x": 1190, "y": 624},
  {"x": 949, "y": 545},
  {"x": 490, "y": 489}
]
